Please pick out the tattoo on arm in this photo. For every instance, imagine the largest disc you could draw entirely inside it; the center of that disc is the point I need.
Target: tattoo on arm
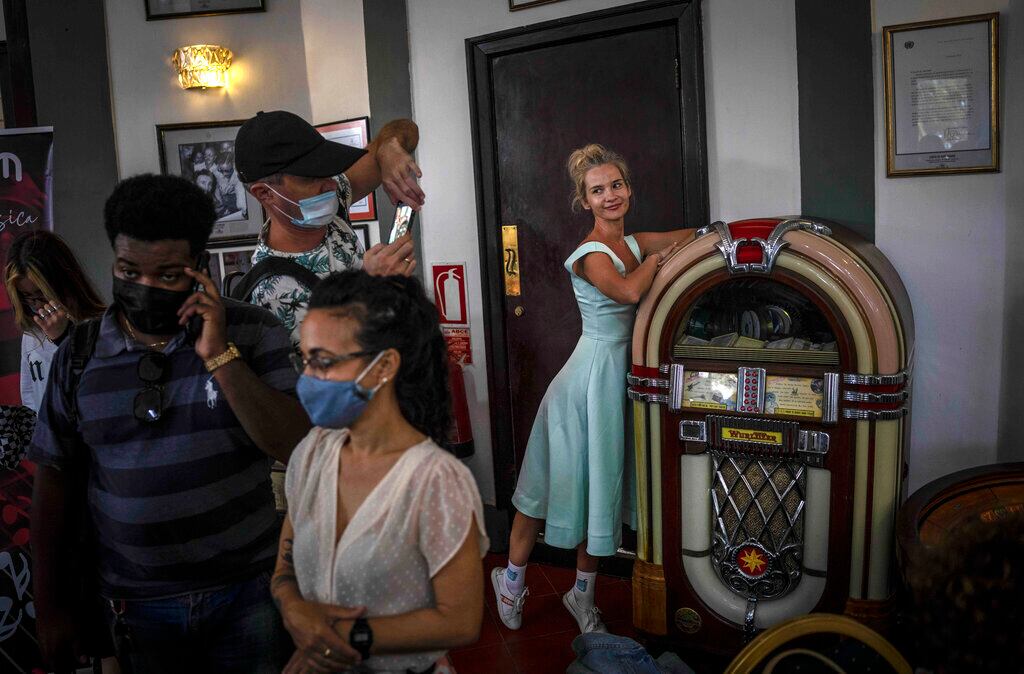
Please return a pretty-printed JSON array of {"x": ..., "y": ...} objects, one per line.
[
  {"x": 286, "y": 552},
  {"x": 279, "y": 581},
  {"x": 285, "y": 575}
]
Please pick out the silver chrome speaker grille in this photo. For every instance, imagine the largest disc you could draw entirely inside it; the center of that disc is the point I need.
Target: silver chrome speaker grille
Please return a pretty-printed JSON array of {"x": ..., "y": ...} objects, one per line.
[{"x": 757, "y": 535}]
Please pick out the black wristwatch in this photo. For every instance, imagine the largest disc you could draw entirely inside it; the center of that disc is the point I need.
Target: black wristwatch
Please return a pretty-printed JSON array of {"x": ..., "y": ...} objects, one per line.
[{"x": 361, "y": 637}]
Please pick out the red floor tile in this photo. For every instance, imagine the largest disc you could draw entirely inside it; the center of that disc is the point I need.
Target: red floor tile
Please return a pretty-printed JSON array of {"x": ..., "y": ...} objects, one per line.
[
  {"x": 615, "y": 599},
  {"x": 494, "y": 659},
  {"x": 537, "y": 579},
  {"x": 623, "y": 628},
  {"x": 541, "y": 616},
  {"x": 550, "y": 654},
  {"x": 561, "y": 579}
]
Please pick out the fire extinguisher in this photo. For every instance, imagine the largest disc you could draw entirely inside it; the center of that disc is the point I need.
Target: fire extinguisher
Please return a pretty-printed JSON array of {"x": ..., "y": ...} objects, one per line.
[
  {"x": 460, "y": 433},
  {"x": 446, "y": 294}
]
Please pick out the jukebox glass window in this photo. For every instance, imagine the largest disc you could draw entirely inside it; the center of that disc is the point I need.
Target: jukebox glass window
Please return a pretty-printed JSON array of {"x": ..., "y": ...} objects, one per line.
[{"x": 763, "y": 319}]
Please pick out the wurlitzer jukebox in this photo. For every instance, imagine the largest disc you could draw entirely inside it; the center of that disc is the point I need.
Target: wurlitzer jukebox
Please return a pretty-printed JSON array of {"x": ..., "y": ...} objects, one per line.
[{"x": 770, "y": 386}]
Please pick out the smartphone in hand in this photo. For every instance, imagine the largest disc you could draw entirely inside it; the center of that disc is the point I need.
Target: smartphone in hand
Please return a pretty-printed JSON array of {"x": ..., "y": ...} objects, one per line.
[
  {"x": 194, "y": 327},
  {"x": 405, "y": 217}
]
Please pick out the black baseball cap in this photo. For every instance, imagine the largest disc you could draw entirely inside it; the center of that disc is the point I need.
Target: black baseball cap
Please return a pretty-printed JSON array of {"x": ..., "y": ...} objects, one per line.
[{"x": 282, "y": 142}]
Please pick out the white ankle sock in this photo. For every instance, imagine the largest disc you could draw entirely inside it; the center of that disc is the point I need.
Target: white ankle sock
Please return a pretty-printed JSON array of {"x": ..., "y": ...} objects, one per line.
[
  {"x": 515, "y": 579},
  {"x": 583, "y": 589}
]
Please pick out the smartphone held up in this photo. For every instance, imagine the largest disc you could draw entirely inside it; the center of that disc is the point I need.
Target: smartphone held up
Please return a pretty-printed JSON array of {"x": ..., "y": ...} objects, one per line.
[{"x": 405, "y": 217}]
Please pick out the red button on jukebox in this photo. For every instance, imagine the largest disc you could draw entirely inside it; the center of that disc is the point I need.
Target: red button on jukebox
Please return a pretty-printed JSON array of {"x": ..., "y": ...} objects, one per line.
[{"x": 752, "y": 561}]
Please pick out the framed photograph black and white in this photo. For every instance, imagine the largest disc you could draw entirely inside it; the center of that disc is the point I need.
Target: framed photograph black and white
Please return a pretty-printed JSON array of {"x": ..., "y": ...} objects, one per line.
[
  {"x": 942, "y": 96},
  {"x": 176, "y": 9},
  {"x": 204, "y": 153}
]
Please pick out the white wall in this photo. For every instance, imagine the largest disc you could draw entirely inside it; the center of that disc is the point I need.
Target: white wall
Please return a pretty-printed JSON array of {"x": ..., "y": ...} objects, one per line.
[
  {"x": 335, "y": 59},
  {"x": 306, "y": 56},
  {"x": 948, "y": 236},
  {"x": 750, "y": 56}
]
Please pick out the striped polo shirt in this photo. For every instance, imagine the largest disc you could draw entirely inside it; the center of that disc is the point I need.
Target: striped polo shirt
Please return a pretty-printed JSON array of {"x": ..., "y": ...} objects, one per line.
[{"x": 182, "y": 504}]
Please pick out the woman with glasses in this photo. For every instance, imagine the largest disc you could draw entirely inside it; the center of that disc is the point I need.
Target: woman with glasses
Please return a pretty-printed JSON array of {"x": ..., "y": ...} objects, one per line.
[
  {"x": 48, "y": 291},
  {"x": 380, "y": 555}
]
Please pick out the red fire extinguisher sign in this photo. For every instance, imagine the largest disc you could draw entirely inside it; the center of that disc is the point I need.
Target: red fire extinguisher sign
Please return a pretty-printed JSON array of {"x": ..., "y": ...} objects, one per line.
[{"x": 450, "y": 293}]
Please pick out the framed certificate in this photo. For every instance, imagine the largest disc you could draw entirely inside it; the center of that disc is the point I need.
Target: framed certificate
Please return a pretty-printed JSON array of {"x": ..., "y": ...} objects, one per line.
[
  {"x": 354, "y": 133},
  {"x": 942, "y": 96}
]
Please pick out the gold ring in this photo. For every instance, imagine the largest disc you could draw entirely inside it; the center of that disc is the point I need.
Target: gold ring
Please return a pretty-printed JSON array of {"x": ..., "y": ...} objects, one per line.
[{"x": 327, "y": 652}]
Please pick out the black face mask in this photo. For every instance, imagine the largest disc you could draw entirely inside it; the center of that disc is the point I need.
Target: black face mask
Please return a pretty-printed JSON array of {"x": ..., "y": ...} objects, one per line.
[{"x": 153, "y": 311}]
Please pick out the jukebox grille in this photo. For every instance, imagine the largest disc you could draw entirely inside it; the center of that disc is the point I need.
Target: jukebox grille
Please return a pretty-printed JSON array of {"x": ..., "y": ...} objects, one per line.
[{"x": 757, "y": 537}]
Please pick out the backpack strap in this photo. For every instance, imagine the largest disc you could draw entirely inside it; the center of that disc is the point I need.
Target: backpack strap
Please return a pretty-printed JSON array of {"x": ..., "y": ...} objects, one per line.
[
  {"x": 267, "y": 268},
  {"x": 83, "y": 342}
]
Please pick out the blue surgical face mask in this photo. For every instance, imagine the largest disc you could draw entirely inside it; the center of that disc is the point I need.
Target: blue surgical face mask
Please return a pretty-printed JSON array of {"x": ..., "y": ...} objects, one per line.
[
  {"x": 316, "y": 211},
  {"x": 336, "y": 404}
]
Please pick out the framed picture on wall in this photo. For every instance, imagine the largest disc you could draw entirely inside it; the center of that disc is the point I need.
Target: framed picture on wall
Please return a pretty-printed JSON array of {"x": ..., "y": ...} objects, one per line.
[
  {"x": 176, "y": 9},
  {"x": 204, "y": 153},
  {"x": 942, "y": 96},
  {"x": 354, "y": 133},
  {"x": 368, "y": 233},
  {"x": 514, "y": 5},
  {"x": 230, "y": 260}
]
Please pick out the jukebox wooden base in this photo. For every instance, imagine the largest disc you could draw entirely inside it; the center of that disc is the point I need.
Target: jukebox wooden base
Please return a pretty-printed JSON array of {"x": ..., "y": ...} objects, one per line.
[{"x": 770, "y": 385}]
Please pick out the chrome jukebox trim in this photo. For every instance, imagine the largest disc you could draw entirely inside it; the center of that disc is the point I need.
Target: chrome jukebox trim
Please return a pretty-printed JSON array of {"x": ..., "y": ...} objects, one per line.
[
  {"x": 646, "y": 382},
  {"x": 814, "y": 446},
  {"x": 770, "y": 248},
  {"x": 874, "y": 415},
  {"x": 676, "y": 376},
  {"x": 897, "y": 379},
  {"x": 693, "y": 431},
  {"x": 654, "y": 398},
  {"x": 830, "y": 399},
  {"x": 707, "y": 229},
  {"x": 864, "y": 397}
]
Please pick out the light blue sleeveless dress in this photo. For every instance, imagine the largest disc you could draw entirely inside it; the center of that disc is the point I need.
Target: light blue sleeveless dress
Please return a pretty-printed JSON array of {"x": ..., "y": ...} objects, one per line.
[{"x": 578, "y": 473}]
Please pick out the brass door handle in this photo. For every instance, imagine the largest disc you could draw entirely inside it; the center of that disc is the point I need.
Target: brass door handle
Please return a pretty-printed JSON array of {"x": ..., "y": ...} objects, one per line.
[{"x": 510, "y": 259}]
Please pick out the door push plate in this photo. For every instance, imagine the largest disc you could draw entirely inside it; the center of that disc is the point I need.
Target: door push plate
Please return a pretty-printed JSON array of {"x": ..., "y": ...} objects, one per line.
[{"x": 510, "y": 260}]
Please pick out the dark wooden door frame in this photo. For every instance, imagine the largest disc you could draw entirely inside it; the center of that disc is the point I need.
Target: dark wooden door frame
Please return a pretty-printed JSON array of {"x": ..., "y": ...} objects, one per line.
[{"x": 480, "y": 51}]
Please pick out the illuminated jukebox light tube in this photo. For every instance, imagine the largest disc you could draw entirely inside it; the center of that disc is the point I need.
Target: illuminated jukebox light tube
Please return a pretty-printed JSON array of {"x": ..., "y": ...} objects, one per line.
[{"x": 736, "y": 524}]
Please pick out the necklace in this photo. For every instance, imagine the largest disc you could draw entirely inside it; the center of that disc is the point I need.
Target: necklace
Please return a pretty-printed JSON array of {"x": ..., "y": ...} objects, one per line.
[{"x": 131, "y": 333}]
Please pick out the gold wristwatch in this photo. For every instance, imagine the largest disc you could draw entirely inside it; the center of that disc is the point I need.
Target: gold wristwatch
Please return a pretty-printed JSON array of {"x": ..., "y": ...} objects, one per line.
[{"x": 224, "y": 358}]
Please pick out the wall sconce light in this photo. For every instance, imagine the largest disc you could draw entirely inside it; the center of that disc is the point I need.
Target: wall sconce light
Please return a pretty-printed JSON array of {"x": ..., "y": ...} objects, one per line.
[{"x": 202, "y": 65}]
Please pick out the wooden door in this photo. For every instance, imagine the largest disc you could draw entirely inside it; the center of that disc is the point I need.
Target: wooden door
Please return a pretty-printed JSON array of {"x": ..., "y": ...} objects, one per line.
[{"x": 627, "y": 78}]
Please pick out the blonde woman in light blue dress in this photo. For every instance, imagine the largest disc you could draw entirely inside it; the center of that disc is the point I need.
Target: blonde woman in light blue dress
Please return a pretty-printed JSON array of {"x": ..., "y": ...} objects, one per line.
[{"x": 577, "y": 480}]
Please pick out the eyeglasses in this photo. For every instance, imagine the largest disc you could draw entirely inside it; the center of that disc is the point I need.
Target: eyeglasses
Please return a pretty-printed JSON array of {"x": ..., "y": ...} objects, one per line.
[
  {"x": 152, "y": 371},
  {"x": 320, "y": 363}
]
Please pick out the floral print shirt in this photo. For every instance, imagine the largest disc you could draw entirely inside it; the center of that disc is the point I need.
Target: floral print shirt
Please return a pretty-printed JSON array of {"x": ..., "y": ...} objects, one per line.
[{"x": 340, "y": 250}]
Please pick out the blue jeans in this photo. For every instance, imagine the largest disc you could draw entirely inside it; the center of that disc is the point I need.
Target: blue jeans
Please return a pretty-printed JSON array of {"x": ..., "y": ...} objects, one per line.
[
  {"x": 599, "y": 653},
  {"x": 235, "y": 628}
]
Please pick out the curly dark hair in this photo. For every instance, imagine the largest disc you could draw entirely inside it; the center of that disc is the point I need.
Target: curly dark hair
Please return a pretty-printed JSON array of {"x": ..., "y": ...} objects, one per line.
[
  {"x": 150, "y": 207},
  {"x": 393, "y": 312},
  {"x": 969, "y": 599}
]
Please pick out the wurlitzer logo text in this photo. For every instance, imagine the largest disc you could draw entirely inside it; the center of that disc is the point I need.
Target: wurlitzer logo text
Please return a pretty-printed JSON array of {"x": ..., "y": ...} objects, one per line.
[{"x": 745, "y": 435}]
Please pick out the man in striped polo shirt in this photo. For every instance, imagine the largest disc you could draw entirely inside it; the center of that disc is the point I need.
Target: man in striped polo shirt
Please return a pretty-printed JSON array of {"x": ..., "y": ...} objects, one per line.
[{"x": 176, "y": 428}]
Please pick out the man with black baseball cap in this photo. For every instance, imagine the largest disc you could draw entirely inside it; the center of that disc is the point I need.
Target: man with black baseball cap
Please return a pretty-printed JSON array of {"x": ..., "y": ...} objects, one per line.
[{"x": 306, "y": 184}]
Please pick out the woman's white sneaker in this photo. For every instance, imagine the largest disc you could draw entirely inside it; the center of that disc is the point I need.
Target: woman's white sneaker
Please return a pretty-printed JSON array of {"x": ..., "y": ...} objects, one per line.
[
  {"x": 588, "y": 619},
  {"x": 510, "y": 606}
]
